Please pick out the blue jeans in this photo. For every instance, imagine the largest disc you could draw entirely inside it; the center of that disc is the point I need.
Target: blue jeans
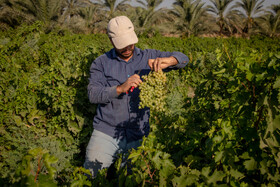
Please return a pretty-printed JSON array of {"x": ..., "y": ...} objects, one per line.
[{"x": 102, "y": 151}]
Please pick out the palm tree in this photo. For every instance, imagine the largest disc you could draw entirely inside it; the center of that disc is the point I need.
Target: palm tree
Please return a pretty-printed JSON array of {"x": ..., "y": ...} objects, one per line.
[
  {"x": 148, "y": 16},
  {"x": 112, "y": 6},
  {"x": 251, "y": 12},
  {"x": 71, "y": 8},
  {"x": 276, "y": 9},
  {"x": 221, "y": 9},
  {"x": 271, "y": 24},
  {"x": 10, "y": 16},
  {"x": 234, "y": 22},
  {"x": 43, "y": 10},
  {"x": 189, "y": 16},
  {"x": 149, "y": 11},
  {"x": 93, "y": 18}
]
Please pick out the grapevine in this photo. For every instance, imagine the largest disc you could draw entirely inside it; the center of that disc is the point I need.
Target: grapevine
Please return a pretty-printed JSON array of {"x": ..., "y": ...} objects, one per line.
[
  {"x": 223, "y": 132},
  {"x": 153, "y": 91}
]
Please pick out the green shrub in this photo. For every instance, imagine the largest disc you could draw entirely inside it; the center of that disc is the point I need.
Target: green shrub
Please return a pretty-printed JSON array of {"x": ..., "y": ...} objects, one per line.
[{"x": 218, "y": 122}]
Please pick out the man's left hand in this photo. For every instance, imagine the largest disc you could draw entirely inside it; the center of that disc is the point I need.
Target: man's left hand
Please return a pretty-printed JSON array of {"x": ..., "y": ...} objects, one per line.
[{"x": 162, "y": 63}]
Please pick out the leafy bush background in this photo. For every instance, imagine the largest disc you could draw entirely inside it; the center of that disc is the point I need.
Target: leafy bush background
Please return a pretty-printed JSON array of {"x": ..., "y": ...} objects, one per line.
[
  {"x": 225, "y": 132},
  {"x": 43, "y": 95}
]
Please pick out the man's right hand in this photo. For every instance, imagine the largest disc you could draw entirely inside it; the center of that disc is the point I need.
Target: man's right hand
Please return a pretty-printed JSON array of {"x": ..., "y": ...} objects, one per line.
[{"x": 132, "y": 81}]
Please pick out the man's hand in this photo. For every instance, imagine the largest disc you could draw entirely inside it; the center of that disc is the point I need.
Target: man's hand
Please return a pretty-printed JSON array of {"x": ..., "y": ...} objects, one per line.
[
  {"x": 132, "y": 81},
  {"x": 162, "y": 63}
]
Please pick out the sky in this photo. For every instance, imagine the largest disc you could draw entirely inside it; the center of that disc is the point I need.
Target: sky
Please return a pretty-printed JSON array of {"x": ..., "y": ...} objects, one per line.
[{"x": 168, "y": 3}]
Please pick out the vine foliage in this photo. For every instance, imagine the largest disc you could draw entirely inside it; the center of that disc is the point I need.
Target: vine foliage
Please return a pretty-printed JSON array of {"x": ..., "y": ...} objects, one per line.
[{"x": 215, "y": 122}]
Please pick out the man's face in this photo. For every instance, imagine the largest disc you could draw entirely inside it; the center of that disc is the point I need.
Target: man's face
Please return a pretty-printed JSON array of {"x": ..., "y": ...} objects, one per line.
[{"x": 126, "y": 52}]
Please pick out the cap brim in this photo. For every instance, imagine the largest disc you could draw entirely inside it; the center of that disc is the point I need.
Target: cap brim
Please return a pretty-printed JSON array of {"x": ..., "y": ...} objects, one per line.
[{"x": 125, "y": 40}]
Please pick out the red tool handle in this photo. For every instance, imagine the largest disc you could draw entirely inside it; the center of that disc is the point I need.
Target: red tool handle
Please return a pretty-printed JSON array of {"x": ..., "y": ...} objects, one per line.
[{"x": 132, "y": 88}]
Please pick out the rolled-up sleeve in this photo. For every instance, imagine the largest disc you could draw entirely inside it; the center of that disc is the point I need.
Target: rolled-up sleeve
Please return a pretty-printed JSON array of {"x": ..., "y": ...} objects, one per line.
[
  {"x": 98, "y": 90},
  {"x": 182, "y": 59}
]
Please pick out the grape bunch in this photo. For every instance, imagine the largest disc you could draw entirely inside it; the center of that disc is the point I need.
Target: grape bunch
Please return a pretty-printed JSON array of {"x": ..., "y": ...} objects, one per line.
[{"x": 153, "y": 91}]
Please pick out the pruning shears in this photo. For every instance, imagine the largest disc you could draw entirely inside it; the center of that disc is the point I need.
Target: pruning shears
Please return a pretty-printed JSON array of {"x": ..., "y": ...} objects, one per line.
[{"x": 132, "y": 88}]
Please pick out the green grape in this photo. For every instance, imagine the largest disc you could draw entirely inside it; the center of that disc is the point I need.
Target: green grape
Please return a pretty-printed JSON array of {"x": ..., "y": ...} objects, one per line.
[{"x": 153, "y": 91}]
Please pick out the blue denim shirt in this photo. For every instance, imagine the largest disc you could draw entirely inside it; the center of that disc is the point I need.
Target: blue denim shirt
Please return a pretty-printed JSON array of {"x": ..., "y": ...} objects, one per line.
[{"x": 119, "y": 116}]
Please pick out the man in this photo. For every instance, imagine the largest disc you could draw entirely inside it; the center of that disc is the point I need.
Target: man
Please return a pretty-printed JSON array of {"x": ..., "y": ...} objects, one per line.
[{"x": 119, "y": 124}]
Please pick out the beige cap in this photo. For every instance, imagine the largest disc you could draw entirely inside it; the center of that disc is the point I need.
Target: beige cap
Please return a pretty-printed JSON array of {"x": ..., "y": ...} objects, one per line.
[{"x": 121, "y": 30}]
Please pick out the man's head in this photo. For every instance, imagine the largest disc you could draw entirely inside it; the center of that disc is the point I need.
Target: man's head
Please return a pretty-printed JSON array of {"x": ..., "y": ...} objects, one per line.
[{"x": 121, "y": 32}]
